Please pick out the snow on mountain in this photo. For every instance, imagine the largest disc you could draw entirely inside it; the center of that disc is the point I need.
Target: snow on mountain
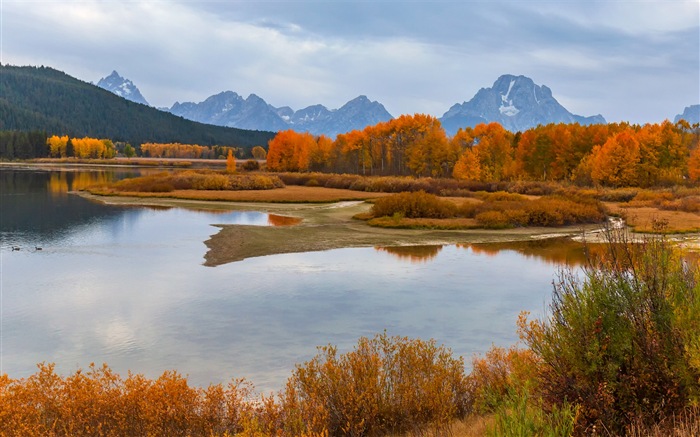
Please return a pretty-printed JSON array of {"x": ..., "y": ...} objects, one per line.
[
  {"x": 230, "y": 109},
  {"x": 691, "y": 114},
  {"x": 515, "y": 102},
  {"x": 122, "y": 87}
]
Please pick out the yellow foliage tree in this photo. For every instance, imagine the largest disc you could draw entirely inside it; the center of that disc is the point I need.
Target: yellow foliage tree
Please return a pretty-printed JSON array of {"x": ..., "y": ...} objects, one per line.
[
  {"x": 230, "y": 162},
  {"x": 57, "y": 146}
]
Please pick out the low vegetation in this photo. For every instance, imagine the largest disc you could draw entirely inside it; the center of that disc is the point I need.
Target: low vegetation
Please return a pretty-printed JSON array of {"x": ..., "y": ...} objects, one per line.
[
  {"x": 619, "y": 354},
  {"x": 192, "y": 180},
  {"x": 494, "y": 211}
]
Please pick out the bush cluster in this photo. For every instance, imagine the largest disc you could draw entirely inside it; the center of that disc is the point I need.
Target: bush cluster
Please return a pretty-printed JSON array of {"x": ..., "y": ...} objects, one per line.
[
  {"x": 413, "y": 205},
  {"x": 623, "y": 342},
  {"x": 197, "y": 180},
  {"x": 685, "y": 199},
  {"x": 497, "y": 210},
  {"x": 385, "y": 384},
  {"x": 545, "y": 211},
  {"x": 392, "y": 184}
]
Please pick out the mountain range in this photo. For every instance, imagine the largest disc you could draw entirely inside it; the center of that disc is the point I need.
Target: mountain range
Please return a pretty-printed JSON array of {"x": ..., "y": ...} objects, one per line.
[
  {"x": 515, "y": 102},
  {"x": 230, "y": 109}
]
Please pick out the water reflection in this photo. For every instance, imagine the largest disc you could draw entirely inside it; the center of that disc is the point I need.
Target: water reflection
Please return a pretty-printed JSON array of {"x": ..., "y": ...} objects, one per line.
[
  {"x": 555, "y": 251},
  {"x": 126, "y": 286},
  {"x": 62, "y": 182},
  {"x": 412, "y": 254},
  {"x": 282, "y": 220}
]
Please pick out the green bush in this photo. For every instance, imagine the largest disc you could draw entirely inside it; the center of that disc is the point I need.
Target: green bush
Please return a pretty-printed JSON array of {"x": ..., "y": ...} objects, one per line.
[{"x": 623, "y": 340}]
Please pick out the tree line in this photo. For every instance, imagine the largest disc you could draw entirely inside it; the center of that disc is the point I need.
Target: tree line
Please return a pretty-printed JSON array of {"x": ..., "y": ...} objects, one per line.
[
  {"x": 615, "y": 154},
  {"x": 49, "y": 100},
  {"x": 35, "y": 144}
]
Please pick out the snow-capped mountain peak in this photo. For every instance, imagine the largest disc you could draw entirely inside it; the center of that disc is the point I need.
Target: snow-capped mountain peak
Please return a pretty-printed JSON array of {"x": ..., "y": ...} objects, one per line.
[
  {"x": 515, "y": 102},
  {"x": 122, "y": 87}
]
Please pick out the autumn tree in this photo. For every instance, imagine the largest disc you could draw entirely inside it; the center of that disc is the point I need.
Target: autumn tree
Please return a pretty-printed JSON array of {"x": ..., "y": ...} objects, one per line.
[
  {"x": 615, "y": 163},
  {"x": 290, "y": 151},
  {"x": 495, "y": 153},
  {"x": 468, "y": 166},
  {"x": 230, "y": 162},
  {"x": 57, "y": 146},
  {"x": 129, "y": 151},
  {"x": 259, "y": 153},
  {"x": 694, "y": 165}
]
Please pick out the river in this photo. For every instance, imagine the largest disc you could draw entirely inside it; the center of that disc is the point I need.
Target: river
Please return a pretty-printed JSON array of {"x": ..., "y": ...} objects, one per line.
[{"x": 84, "y": 282}]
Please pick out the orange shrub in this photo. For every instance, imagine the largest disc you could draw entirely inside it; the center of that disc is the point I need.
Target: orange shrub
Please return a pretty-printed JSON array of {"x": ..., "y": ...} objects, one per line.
[
  {"x": 386, "y": 384},
  {"x": 196, "y": 180},
  {"x": 414, "y": 205},
  {"x": 499, "y": 372}
]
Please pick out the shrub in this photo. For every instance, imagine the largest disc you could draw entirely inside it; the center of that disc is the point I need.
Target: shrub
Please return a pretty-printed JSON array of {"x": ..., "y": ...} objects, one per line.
[
  {"x": 414, "y": 205},
  {"x": 500, "y": 196},
  {"x": 493, "y": 220},
  {"x": 500, "y": 372},
  {"x": 251, "y": 165},
  {"x": 197, "y": 180},
  {"x": 623, "y": 342},
  {"x": 386, "y": 384}
]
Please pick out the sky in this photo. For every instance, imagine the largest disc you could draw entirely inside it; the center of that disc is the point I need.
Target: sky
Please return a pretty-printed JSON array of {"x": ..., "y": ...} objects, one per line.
[{"x": 633, "y": 60}]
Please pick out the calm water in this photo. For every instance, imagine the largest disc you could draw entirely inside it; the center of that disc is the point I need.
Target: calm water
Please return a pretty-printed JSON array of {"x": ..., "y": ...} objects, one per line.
[{"x": 126, "y": 286}]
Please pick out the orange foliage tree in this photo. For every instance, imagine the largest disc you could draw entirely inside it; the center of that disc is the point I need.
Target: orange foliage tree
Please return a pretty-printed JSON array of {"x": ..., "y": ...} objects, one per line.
[
  {"x": 616, "y": 154},
  {"x": 230, "y": 162},
  {"x": 615, "y": 163}
]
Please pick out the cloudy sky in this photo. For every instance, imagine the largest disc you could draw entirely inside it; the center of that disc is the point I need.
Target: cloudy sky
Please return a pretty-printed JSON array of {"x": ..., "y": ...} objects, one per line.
[{"x": 633, "y": 60}]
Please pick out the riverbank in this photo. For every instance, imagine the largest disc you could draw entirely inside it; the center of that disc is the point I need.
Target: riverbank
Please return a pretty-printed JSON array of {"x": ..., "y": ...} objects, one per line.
[{"x": 330, "y": 226}]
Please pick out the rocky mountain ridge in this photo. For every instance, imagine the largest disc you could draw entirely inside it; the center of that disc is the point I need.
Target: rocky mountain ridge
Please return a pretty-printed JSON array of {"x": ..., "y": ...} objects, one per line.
[
  {"x": 515, "y": 102},
  {"x": 122, "y": 87},
  {"x": 232, "y": 110}
]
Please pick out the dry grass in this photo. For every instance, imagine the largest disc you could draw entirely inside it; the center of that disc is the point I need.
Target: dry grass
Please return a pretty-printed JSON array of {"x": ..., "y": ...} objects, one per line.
[
  {"x": 643, "y": 219},
  {"x": 687, "y": 424},
  {"x": 424, "y": 223},
  {"x": 471, "y": 426},
  {"x": 289, "y": 194}
]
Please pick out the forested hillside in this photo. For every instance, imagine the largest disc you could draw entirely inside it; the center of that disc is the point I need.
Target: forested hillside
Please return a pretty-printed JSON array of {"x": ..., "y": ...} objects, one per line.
[{"x": 41, "y": 98}]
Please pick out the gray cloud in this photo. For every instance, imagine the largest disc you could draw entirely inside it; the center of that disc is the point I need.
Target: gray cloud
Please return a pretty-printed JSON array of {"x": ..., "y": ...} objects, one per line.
[{"x": 629, "y": 60}]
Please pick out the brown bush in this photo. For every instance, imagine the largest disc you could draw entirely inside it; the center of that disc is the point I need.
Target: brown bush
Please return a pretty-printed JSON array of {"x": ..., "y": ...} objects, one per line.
[
  {"x": 251, "y": 165},
  {"x": 414, "y": 205},
  {"x": 546, "y": 211}
]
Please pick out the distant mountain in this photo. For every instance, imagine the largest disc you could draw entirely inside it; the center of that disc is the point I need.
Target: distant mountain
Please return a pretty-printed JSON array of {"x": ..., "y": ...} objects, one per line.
[
  {"x": 52, "y": 101},
  {"x": 515, "y": 102},
  {"x": 691, "y": 114},
  {"x": 122, "y": 87},
  {"x": 230, "y": 109}
]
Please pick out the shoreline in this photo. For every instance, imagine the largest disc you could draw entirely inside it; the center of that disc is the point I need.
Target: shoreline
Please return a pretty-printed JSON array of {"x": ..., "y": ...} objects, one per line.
[{"x": 330, "y": 226}]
